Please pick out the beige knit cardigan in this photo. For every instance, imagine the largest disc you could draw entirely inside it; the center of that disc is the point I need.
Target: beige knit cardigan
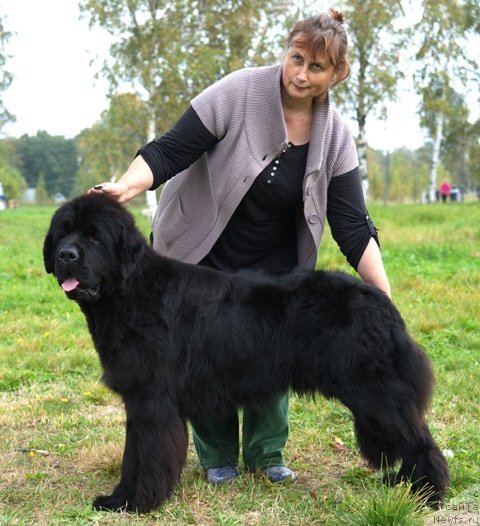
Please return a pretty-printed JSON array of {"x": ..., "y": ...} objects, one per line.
[{"x": 244, "y": 111}]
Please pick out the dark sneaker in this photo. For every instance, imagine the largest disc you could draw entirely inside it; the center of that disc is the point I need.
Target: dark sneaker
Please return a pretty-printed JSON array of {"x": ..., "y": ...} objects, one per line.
[
  {"x": 279, "y": 474},
  {"x": 221, "y": 475}
]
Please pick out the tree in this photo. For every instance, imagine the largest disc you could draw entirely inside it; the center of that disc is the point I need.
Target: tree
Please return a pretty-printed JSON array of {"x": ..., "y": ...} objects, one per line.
[
  {"x": 473, "y": 157},
  {"x": 10, "y": 177},
  {"x": 106, "y": 149},
  {"x": 41, "y": 192},
  {"x": 400, "y": 175},
  {"x": 5, "y": 76},
  {"x": 168, "y": 51},
  {"x": 444, "y": 62},
  {"x": 374, "y": 44},
  {"x": 53, "y": 156},
  {"x": 457, "y": 137}
]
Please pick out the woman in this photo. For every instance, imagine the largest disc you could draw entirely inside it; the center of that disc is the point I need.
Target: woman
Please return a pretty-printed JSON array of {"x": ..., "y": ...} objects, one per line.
[{"x": 254, "y": 167}]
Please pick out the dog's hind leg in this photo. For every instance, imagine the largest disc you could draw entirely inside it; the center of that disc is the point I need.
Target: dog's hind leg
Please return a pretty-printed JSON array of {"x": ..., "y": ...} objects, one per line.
[
  {"x": 425, "y": 466},
  {"x": 155, "y": 451},
  {"x": 388, "y": 432},
  {"x": 381, "y": 453}
]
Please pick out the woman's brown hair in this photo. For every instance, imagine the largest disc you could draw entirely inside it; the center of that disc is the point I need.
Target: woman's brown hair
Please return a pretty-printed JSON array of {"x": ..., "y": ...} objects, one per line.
[{"x": 321, "y": 34}]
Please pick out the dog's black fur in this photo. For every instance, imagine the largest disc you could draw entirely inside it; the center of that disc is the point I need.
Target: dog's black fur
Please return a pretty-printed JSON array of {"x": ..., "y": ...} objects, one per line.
[{"x": 178, "y": 340}]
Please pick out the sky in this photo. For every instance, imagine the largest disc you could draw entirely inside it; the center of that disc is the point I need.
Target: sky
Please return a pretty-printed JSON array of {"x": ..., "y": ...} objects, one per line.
[{"x": 55, "y": 90}]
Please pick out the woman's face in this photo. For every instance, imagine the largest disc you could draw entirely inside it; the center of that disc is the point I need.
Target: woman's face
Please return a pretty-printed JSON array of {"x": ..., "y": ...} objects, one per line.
[{"x": 303, "y": 77}]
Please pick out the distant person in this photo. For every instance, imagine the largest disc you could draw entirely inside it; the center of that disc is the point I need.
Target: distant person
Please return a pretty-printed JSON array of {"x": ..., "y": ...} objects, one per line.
[
  {"x": 455, "y": 194},
  {"x": 263, "y": 159},
  {"x": 445, "y": 191}
]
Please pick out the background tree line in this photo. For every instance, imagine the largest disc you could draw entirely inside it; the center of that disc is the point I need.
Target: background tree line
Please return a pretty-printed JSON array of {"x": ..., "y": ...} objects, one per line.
[{"x": 164, "y": 52}]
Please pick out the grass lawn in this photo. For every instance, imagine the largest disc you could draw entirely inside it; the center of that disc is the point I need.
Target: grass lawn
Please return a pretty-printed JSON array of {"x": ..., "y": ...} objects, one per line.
[{"x": 62, "y": 431}]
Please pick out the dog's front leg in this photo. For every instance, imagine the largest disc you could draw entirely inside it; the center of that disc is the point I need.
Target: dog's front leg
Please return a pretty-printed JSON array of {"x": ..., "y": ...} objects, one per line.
[{"x": 155, "y": 451}]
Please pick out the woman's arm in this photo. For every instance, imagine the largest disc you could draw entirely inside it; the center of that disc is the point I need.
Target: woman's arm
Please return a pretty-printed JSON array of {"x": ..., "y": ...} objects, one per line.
[
  {"x": 162, "y": 159},
  {"x": 371, "y": 268},
  {"x": 353, "y": 229}
]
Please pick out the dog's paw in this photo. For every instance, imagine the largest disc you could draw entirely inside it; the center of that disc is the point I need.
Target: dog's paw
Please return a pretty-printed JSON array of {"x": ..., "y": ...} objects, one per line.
[
  {"x": 110, "y": 503},
  {"x": 121, "y": 504}
]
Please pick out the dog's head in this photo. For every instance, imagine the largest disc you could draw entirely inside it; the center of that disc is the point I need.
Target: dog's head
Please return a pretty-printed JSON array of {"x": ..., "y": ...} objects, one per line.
[{"x": 92, "y": 247}]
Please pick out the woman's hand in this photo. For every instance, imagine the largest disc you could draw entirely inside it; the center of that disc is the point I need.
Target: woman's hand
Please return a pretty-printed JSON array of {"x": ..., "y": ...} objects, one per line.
[
  {"x": 118, "y": 191},
  {"x": 136, "y": 180}
]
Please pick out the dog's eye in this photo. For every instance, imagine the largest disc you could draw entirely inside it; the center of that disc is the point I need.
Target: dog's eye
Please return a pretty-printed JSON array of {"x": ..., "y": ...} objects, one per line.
[
  {"x": 64, "y": 230},
  {"x": 91, "y": 234}
]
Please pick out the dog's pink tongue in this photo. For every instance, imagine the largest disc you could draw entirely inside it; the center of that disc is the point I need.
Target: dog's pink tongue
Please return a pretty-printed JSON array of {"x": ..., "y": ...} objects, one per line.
[{"x": 70, "y": 284}]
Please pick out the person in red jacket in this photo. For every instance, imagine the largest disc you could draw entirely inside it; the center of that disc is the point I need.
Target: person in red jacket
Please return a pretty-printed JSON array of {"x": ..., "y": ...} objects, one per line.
[{"x": 445, "y": 189}]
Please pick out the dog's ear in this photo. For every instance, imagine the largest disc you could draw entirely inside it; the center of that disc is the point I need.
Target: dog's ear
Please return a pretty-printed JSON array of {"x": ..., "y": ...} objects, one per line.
[
  {"x": 131, "y": 249},
  {"x": 48, "y": 252}
]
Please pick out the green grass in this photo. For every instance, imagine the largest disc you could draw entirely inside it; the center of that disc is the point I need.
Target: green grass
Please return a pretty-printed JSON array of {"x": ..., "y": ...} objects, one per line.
[
  {"x": 62, "y": 430},
  {"x": 385, "y": 507}
]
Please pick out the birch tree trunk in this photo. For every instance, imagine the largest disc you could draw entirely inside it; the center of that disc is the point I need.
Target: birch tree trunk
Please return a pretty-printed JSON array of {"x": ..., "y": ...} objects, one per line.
[
  {"x": 436, "y": 155},
  {"x": 362, "y": 151},
  {"x": 151, "y": 195}
]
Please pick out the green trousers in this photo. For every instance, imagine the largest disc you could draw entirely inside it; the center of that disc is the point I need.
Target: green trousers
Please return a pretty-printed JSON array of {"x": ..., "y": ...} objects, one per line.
[{"x": 264, "y": 435}]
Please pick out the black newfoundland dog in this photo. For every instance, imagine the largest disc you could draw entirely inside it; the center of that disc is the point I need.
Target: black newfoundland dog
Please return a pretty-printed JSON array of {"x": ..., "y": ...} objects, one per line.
[{"x": 177, "y": 340}]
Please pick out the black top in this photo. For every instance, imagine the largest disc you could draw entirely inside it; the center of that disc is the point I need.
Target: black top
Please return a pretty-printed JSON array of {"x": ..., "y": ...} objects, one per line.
[{"x": 261, "y": 232}]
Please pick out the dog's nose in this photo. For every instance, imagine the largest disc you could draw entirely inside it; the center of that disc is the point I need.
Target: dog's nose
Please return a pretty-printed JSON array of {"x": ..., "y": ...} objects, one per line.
[{"x": 68, "y": 254}]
